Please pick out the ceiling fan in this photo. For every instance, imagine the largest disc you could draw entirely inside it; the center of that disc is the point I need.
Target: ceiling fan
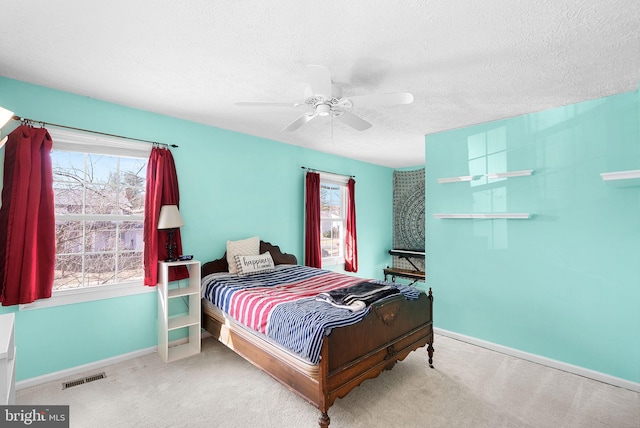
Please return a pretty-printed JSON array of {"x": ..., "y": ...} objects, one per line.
[{"x": 325, "y": 99}]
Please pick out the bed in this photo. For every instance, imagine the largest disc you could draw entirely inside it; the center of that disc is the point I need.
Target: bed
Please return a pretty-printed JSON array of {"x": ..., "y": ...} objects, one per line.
[{"x": 386, "y": 332}]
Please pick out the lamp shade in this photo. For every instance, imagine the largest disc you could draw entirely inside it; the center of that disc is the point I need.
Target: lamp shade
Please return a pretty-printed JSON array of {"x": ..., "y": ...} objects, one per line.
[
  {"x": 169, "y": 217},
  {"x": 5, "y": 116}
]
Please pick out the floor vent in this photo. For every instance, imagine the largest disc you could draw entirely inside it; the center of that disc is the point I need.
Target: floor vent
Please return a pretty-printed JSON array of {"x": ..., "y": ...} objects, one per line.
[{"x": 87, "y": 379}]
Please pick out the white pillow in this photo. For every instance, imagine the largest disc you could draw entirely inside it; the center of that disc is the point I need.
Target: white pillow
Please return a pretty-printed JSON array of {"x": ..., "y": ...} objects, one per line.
[
  {"x": 248, "y": 247},
  {"x": 250, "y": 265}
]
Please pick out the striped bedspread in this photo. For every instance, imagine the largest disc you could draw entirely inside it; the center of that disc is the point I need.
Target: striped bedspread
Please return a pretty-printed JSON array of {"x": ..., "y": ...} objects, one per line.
[{"x": 282, "y": 305}]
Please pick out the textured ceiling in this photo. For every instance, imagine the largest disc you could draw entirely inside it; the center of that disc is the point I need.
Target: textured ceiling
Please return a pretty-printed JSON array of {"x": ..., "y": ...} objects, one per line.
[{"x": 465, "y": 62}]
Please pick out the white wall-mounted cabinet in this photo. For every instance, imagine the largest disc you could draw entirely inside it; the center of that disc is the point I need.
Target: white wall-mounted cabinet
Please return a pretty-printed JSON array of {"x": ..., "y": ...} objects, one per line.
[
  {"x": 7, "y": 360},
  {"x": 190, "y": 294}
]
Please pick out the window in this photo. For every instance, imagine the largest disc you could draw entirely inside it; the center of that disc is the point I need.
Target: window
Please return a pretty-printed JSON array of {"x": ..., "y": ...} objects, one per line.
[
  {"x": 99, "y": 207},
  {"x": 99, "y": 192},
  {"x": 333, "y": 212}
]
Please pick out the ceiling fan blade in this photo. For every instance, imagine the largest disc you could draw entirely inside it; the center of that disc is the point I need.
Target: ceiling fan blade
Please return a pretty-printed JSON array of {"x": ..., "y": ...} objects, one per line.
[
  {"x": 265, "y": 104},
  {"x": 319, "y": 79},
  {"x": 354, "y": 121},
  {"x": 375, "y": 100},
  {"x": 299, "y": 122}
]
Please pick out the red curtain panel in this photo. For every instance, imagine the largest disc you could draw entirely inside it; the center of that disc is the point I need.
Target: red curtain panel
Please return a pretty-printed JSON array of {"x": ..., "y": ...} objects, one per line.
[
  {"x": 312, "y": 251},
  {"x": 351, "y": 242},
  {"x": 161, "y": 189},
  {"x": 27, "y": 218}
]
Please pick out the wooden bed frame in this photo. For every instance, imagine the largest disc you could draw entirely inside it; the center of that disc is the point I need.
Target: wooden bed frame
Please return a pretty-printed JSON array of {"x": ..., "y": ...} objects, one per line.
[{"x": 349, "y": 356}]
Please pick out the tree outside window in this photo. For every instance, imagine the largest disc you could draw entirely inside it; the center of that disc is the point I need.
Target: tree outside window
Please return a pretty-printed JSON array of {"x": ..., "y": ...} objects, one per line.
[{"x": 99, "y": 207}]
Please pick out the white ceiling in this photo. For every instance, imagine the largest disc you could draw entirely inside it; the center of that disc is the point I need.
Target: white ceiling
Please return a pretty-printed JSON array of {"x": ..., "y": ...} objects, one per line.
[{"x": 465, "y": 62}]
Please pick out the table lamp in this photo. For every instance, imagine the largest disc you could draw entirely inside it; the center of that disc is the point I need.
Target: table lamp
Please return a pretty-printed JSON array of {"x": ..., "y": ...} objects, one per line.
[{"x": 170, "y": 219}]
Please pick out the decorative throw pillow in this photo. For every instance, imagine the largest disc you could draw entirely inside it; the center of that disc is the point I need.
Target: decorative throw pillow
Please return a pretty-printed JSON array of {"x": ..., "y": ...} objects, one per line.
[
  {"x": 249, "y": 247},
  {"x": 250, "y": 265}
]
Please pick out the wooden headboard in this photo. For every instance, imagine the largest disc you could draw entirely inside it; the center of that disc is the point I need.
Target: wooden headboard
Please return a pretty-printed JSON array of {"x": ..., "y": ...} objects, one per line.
[{"x": 221, "y": 265}]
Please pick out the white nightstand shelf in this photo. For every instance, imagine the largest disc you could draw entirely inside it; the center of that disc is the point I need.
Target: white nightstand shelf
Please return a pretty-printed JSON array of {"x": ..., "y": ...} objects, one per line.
[
  {"x": 7, "y": 360},
  {"x": 189, "y": 321}
]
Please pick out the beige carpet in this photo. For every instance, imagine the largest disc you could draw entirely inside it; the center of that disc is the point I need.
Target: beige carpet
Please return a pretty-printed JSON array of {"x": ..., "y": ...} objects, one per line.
[{"x": 470, "y": 387}]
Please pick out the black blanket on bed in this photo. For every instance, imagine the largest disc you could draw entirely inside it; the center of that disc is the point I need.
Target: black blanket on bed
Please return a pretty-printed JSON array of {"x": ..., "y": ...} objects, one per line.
[{"x": 366, "y": 292}]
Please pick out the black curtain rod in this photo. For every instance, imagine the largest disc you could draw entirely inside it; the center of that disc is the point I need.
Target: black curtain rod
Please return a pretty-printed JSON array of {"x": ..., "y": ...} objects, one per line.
[
  {"x": 23, "y": 119},
  {"x": 328, "y": 172}
]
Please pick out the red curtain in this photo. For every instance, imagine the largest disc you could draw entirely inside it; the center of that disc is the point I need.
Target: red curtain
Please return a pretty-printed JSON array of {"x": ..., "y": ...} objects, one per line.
[
  {"x": 27, "y": 218},
  {"x": 351, "y": 242},
  {"x": 312, "y": 251},
  {"x": 161, "y": 189}
]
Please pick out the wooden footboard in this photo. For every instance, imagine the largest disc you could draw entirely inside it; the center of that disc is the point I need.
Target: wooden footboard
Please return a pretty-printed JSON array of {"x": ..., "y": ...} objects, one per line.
[
  {"x": 353, "y": 354},
  {"x": 350, "y": 355}
]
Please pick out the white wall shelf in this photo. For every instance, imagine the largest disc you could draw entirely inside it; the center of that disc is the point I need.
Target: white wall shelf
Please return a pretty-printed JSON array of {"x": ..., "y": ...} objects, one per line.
[
  {"x": 509, "y": 174},
  {"x": 459, "y": 179},
  {"x": 7, "y": 360},
  {"x": 486, "y": 216},
  {"x": 191, "y": 320},
  {"x": 493, "y": 175},
  {"x": 620, "y": 175}
]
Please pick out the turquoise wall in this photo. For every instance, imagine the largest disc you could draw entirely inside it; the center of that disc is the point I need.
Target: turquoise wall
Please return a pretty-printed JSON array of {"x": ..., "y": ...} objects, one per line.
[
  {"x": 566, "y": 283},
  {"x": 232, "y": 186}
]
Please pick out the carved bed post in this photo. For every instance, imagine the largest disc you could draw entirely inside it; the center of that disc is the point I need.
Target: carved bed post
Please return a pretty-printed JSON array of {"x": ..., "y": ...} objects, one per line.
[
  {"x": 323, "y": 373},
  {"x": 324, "y": 420}
]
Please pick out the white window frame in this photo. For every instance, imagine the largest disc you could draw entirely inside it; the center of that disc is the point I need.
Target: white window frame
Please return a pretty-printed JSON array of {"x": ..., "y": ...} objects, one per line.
[
  {"x": 84, "y": 142},
  {"x": 342, "y": 181}
]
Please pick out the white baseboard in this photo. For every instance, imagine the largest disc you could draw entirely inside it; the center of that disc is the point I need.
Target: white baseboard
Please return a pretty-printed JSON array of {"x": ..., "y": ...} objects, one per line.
[
  {"x": 83, "y": 368},
  {"x": 580, "y": 371},
  {"x": 97, "y": 364}
]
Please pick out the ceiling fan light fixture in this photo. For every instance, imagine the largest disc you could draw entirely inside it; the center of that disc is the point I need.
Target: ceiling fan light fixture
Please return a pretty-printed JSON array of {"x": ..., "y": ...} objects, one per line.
[{"x": 323, "y": 110}]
